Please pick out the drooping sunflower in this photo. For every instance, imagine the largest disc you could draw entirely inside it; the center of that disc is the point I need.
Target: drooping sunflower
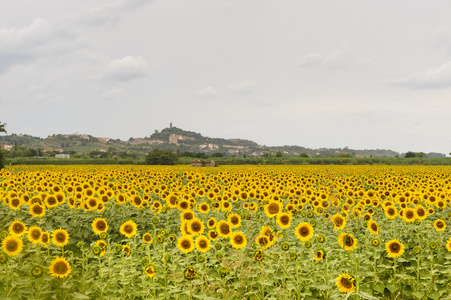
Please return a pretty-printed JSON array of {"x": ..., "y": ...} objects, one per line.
[
  {"x": 203, "y": 244},
  {"x": 223, "y": 229},
  {"x": 102, "y": 246},
  {"x": 283, "y": 220},
  {"x": 128, "y": 229},
  {"x": 373, "y": 227},
  {"x": 150, "y": 270},
  {"x": 345, "y": 283},
  {"x": 60, "y": 237},
  {"x": 190, "y": 273},
  {"x": 263, "y": 241},
  {"x": 439, "y": 225},
  {"x": 34, "y": 235},
  {"x": 12, "y": 245},
  {"x": 320, "y": 254},
  {"x": 99, "y": 225},
  {"x": 304, "y": 231},
  {"x": 60, "y": 268},
  {"x": 126, "y": 250},
  {"x": 338, "y": 221},
  {"x": 17, "y": 228},
  {"x": 394, "y": 248},
  {"x": 347, "y": 241},
  {"x": 37, "y": 271},
  {"x": 186, "y": 244},
  {"x": 258, "y": 255},
  {"x": 238, "y": 240}
]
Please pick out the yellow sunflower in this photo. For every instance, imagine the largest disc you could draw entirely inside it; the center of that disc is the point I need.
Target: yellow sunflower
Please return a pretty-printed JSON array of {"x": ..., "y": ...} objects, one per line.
[
  {"x": 345, "y": 283},
  {"x": 37, "y": 210},
  {"x": 347, "y": 241},
  {"x": 223, "y": 229},
  {"x": 147, "y": 238},
  {"x": 186, "y": 244},
  {"x": 338, "y": 221},
  {"x": 128, "y": 229},
  {"x": 202, "y": 244},
  {"x": 394, "y": 248},
  {"x": 273, "y": 208},
  {"x": 439, "y": 225},
  {"x": 60, "y": 237},
  {"x": 448, "y": 244},
  {"x": 373, "y": 227},
  {"x": 60, "y": 267},
  {"x": 34, "y": 235},
  {"x": 195, "y": 227},
  {"x": 150, "y": 270},
  {"x": 283, "y": 220},
  {"x": 238, "y": 240},
  {"x": 12, "y": 245},
  {"x": 99, "y": 225},
  {"x": 17, "y": 228},
  {"x": 304, "y": 231},
  {"x": 234, "y": 220}
]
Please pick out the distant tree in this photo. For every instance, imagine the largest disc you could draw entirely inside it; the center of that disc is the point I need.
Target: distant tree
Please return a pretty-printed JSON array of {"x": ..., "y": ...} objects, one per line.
[
  {"x": 344, "y": 155},
  {"x": 161, "y": 157},
  {"x": 278, "y": 154},
  {"x": 2, "y": 154},
  {"x": 217, "y": 154},
  {"x": 304, "y": 155},
  {"x": 409, "y": 154}
]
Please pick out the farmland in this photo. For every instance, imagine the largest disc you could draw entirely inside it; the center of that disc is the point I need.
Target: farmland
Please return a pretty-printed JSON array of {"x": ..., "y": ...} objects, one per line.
[{"x": 232, "y": 232}]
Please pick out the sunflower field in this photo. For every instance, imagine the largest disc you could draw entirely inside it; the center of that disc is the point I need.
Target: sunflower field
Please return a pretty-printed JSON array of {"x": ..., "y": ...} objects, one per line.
[{"x": 247, "y": 232}]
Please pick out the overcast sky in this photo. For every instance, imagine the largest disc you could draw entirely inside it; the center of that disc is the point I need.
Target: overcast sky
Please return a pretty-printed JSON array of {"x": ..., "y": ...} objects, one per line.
[{"x": 356, "y": 73}]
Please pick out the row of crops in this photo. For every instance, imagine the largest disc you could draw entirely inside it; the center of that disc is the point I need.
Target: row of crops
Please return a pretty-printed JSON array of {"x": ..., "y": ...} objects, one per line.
[{"x": 247, "y": 232}]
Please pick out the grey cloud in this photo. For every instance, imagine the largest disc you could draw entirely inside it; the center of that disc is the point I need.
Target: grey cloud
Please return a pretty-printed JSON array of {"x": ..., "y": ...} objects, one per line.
[
  {"x": 127, "y": 68},
  {"x": 342, "y": 56}
]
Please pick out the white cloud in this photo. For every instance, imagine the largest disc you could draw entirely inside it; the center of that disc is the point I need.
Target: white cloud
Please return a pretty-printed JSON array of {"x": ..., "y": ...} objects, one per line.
[
  {"x": 244, "y": 87},
  {"x": 341, "y": 57},
  {"x": 432, "y": 78},
  {"x": 115, "y": 94},
  {"x": 127, "y": 68},
  {"x": 207, "y": 92}
]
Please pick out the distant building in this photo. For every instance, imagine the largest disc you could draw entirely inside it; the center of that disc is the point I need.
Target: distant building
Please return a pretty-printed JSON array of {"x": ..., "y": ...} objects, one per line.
[
  {"x": 62, "y": 156},
  {"x": 199, "y": 163}
]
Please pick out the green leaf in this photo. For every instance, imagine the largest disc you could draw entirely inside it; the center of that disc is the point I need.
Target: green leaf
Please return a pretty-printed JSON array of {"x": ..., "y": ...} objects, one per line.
[
  {"x": 379, "y": 287},
  {"x": 419, "y": 295},
  {"x": 79, "y": 296},
  {"x": 366, "y": 296},
  {"x": 392, "y": 287},
  {"x": 434, "y": 296}
]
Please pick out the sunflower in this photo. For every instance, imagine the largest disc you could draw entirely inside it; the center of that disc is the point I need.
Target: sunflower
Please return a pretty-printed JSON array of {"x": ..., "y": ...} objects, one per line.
[
  {"x": 439, "y": 225},
  {"x": 212, "y": 235},
  {"x": 203, "y": 208},
  {"x": 373, "y": 227},
  {"x": 263, "y": 241},
  {"x": 102, "y": 246},
  {"x": 99, "y": 225},
  {"x": 258, "y": 255},
  {"x": 304, "y": 231},
  {"x": 347, "y": 241},
  {"x": 60, "y": 237},
  {"x": 147, "y": 238},
  {"x": 37, "y": 210},
  {"x": 190, "y": 273},
  {"x": 17, "y": 228},
  {"x": 186, "y": 244},
  {"x": 128, "y": 229},
  {"x": 273, "y": 208},
  {"x": 345, "y": 283},
  {"x": 45, "y": 237},
  {"x": 409, "y": 215},
  {"x": 394, "y": 248},
  {"x": 150, "y": 270},
  {"x": 202, "y": 244},
  {"x": 211, "y": 223},
  {"x": 60, "y": 267},
  {"x": 234, "y": 220},
  {"x": 238, "y": 240},
  {"x": 37, "y": 271},
  {"x": 223, "y": 229},
  {"x": 283, "y": 220},
  {"x": 375, "y": 242},
  {"x": 320, "y": 254},
  {"x": 448, "y": 244},
  {"x": 3, "y": 258},
  {"x": 338, "y": 221},
  {"x": 34, "y": 235},
  {"x": 421, "y": 212},
  {"x": 12, "y": 245},
  {"x": 417, "y": 250},
  {"x": 195, "y": 227},
  {"x": 267, "y": 231},
  {"x": 126, "y": 250},
  {"x": 391, "y": 212}
]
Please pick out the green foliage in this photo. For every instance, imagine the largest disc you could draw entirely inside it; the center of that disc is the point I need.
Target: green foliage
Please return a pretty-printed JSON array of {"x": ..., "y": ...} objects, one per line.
[
  {"x": 411, "y": 154},
  {"x": 278, "y": 154},
  {"x": 304, "y": 155},
  {"x": 161, "y": 157}
]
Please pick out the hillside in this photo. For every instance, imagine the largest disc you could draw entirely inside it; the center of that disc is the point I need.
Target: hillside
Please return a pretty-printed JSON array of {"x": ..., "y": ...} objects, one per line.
[{"x": 173, "y": 138}]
